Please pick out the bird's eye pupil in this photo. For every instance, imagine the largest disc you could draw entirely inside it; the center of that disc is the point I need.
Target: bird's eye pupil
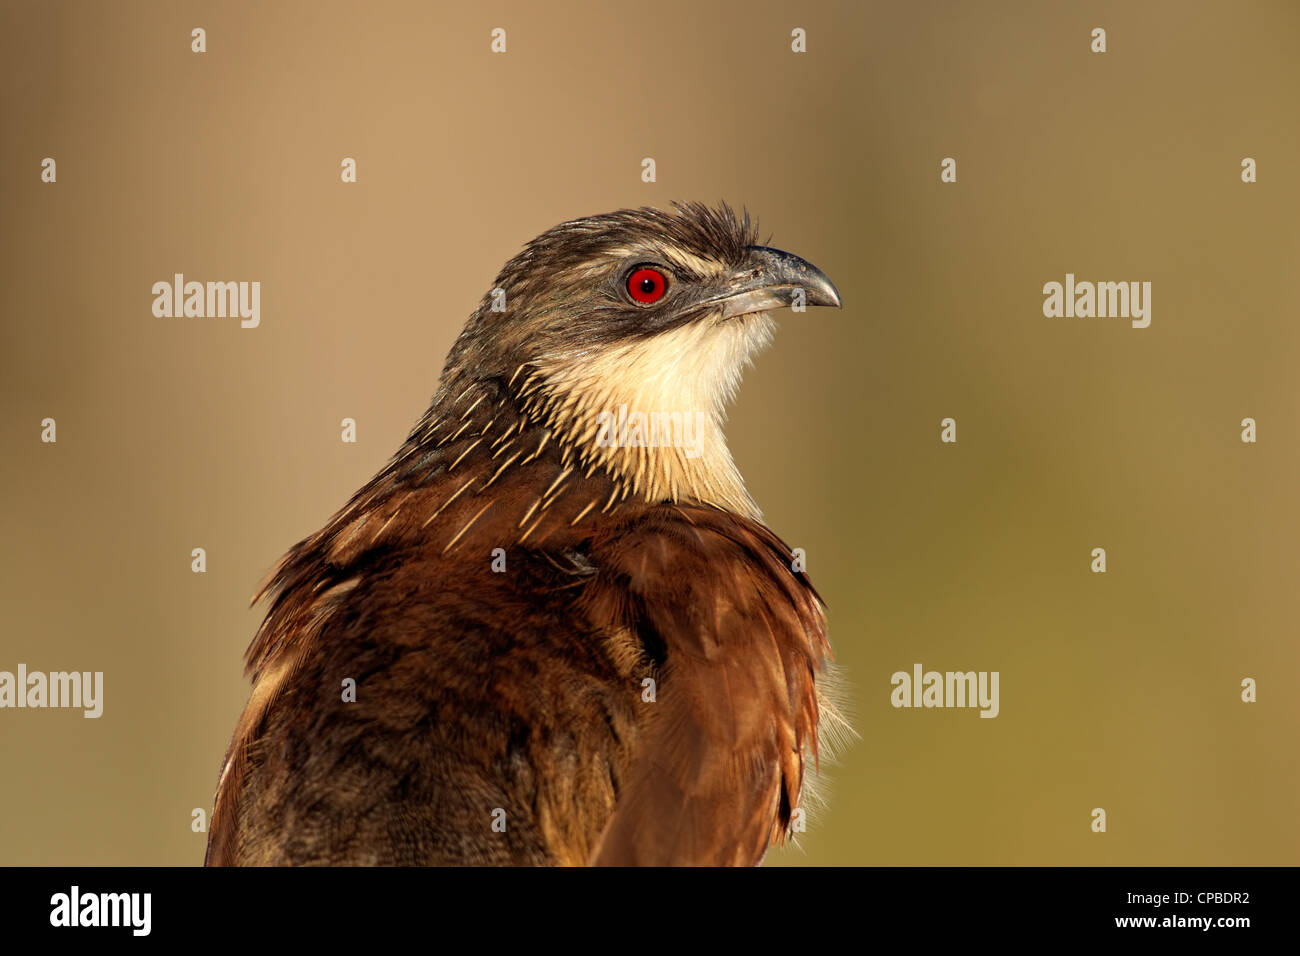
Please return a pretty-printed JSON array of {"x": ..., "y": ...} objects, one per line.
[{"x": 647, "y": 285}]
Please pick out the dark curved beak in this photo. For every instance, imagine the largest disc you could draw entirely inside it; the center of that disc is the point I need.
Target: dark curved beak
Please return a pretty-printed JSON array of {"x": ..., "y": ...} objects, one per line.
[{"x": 772, "y": 279}]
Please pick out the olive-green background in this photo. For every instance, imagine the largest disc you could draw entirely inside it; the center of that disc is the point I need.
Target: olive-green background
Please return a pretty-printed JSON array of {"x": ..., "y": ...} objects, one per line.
[{"x": 1119, "y": 691}]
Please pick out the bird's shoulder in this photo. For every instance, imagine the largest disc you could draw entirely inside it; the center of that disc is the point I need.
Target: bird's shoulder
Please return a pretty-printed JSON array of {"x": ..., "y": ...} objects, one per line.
[{"x": 719, "y": 766}]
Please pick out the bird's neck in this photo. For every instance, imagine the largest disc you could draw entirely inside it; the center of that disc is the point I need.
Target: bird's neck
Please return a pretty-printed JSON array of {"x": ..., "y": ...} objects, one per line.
[{"x": 650, "y": 413}]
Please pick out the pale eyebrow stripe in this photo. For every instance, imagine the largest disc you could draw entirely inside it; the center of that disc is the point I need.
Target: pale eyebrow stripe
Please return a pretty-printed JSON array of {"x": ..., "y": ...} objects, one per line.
[{"x": 687, "y": 261}]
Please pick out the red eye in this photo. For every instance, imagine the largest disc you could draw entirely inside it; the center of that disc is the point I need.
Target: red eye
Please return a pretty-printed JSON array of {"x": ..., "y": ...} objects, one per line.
[{"x": 646, "y": 285}]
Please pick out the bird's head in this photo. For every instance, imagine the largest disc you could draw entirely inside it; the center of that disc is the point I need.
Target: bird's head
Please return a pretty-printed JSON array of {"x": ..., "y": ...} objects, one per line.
[{"x": 626, "y": 334}]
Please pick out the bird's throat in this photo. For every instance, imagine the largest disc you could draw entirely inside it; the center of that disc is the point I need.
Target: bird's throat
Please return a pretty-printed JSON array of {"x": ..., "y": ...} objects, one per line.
[{"x": 650, "y": 412}]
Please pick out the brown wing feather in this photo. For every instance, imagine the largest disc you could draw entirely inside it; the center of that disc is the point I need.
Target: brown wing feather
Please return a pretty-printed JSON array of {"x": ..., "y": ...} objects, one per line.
[{"x": 720, "y": 763}]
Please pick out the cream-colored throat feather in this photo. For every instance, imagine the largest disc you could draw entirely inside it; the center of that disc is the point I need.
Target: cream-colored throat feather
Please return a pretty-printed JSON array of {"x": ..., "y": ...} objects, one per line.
[{"x": 650, "y": 412}]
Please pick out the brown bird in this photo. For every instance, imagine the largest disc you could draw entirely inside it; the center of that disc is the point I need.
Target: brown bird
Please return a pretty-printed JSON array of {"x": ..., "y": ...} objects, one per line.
[{"x": 553, "y": 629}]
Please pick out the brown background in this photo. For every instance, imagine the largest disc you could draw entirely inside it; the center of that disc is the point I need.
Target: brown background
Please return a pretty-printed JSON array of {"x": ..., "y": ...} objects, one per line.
[{"x": 1118, "y": 690}]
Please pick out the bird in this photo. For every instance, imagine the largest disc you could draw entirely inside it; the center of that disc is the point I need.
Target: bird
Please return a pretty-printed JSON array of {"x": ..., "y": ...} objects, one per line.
[{"x": 553, "y": 630}]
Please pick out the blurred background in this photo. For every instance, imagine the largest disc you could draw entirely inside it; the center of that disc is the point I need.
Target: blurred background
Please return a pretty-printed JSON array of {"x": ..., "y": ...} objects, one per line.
[{"x": 1118, "y": 690}]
